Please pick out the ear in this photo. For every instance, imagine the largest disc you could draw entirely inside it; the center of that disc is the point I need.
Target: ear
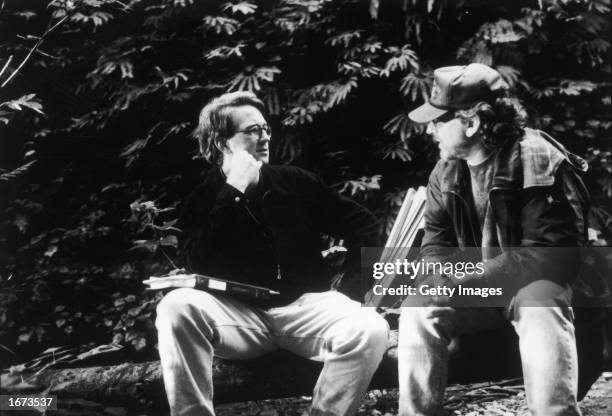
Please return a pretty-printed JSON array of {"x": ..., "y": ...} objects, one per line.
[
  {"x": 223, "y": 146},
  {"x": 220, "y": 147},
  {"x": 473, "y": 125}
]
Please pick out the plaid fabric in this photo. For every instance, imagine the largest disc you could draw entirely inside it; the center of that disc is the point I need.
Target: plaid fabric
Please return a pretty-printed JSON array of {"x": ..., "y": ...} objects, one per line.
[{"x": 541, "y": 156}]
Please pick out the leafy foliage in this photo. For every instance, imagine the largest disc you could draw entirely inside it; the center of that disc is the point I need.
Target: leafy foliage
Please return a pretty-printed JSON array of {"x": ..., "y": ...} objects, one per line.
[
  {"x": 122, "y": 83},
  {"x": 27, "y": 101}
]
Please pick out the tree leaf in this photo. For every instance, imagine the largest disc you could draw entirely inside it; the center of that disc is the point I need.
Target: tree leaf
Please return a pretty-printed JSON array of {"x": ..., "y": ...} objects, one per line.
[
  {"x": 221, "y": 24},
  {"x": 169, "y": 240},
  {"x": 27, "y": 101},
  {"x": 242, "y": 7},
  {"x": 15, "y": 173}
]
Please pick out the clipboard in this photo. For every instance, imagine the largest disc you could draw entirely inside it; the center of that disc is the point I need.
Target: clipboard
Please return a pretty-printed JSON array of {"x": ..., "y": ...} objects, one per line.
[{"x": 233, "y": 288}]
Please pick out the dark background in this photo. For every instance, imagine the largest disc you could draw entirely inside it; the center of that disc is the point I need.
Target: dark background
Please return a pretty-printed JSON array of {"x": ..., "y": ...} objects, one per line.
[{"x": 95, "y": 163}]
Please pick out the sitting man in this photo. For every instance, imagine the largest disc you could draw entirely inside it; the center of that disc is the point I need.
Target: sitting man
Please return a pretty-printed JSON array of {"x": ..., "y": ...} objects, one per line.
[
  {"x": 261, "y": 224},
  {"x": 514, "y": 194}
]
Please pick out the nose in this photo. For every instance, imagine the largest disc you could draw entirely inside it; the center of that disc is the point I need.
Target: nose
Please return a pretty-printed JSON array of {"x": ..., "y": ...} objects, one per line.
[
  {"x": 431, "y": 129},
  {"x": 265, "y": 136}
]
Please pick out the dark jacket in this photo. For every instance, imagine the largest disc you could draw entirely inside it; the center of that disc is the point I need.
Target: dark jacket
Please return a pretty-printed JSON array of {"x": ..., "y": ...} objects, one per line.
[
  {"x": 271, "y": 236},
  {"x": 538, "y": 201}
]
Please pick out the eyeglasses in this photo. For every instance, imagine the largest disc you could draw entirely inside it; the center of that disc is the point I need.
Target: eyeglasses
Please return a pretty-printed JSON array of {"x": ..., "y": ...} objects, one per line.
[{"x": 258, "y": 130}]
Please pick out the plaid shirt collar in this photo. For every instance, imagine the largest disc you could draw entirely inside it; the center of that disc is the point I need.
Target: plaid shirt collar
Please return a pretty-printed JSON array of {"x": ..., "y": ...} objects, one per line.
[{"x": 529, "y": 162}]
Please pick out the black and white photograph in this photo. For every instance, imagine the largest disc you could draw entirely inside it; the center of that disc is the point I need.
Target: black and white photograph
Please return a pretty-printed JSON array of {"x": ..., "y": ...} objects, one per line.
[{"x": 305, "y": 207}]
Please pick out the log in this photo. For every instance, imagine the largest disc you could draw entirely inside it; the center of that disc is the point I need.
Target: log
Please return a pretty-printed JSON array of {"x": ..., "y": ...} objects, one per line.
[
  {"x": 138, "y": 385},
  {"x": 490, "y": 355}
]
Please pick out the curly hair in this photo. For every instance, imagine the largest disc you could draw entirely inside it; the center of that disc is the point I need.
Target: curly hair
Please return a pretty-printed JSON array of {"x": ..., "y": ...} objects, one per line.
[
  {"x": 502, "y": 119},
  {"x": 215, "y": 124}
]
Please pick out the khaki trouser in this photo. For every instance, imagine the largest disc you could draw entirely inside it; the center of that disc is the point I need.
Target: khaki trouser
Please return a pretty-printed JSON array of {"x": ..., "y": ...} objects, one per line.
[{"x": 329, "y": 327}]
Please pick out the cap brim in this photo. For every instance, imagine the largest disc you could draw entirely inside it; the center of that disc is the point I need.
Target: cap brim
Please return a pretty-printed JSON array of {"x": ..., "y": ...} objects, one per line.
[{"x": 425, "y": 113}]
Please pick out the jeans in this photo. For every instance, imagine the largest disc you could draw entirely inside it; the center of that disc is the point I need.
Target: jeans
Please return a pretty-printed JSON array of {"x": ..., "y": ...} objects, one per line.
[
  {"x": 193, "y": 325},
  {"x": 546, "y": 341}
]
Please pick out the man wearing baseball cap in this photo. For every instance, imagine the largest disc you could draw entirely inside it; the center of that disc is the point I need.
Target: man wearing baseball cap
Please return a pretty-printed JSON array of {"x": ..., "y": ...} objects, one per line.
[{"x": 515, "y": 193}]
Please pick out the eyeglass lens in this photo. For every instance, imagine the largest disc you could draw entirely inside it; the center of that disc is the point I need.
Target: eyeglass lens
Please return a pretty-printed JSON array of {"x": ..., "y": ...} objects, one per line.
[{"x": 259, "y": 130}]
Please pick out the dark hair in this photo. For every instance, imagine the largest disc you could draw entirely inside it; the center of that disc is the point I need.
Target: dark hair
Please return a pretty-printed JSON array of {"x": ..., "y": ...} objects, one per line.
[
  {"x": 215, "y": 124},
  {"x": 501, "y": 119}
]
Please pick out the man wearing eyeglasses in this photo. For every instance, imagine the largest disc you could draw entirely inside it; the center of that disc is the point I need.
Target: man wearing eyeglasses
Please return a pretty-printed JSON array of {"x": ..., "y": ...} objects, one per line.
[
  {"x": 256, "y": 223},
  {"x": 515, "y": 195}
]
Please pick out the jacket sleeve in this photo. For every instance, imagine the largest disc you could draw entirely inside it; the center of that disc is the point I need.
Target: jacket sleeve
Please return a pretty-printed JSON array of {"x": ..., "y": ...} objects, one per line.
[
  {"x": 550, "y": 240},
  {"x": 208, "y": 225},
  {"x": 341, "y": 217},
  {"x": 439, "y": 240}
]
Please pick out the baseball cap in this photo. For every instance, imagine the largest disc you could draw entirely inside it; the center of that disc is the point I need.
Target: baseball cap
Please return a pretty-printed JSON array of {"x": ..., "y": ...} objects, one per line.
[{"x": 457, "y": 88}]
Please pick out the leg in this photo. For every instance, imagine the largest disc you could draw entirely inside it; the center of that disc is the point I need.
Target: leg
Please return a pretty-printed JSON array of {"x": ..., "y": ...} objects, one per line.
[
  {"x": 189, "y": 324},
  {"x": 349, "y": 339},
  {"x": 548, "y": 349},
  {"x": 424, "y": 336}
]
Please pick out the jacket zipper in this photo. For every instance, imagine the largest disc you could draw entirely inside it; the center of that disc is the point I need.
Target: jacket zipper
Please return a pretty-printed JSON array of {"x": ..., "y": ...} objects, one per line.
[
  {"x": 467, "y": 207},
  {"x": 279, "y": 275},
  {"x": 499, "y": 188},
  {"x": 496, "y": 188}
]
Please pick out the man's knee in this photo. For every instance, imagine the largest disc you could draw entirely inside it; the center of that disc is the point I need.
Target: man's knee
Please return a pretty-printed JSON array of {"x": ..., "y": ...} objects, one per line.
[
  {"x": 543, "y": 293},
  {"x": 543, "y": 307},
  {"x": 427, "y": 313},
  {"x": 430, "y": 322},
  {"x": 179, "y": 305},
  {"x": 370, "y": 332},
  {"x": 377, "y": 331},
  {"x": 541, "y": 299}
]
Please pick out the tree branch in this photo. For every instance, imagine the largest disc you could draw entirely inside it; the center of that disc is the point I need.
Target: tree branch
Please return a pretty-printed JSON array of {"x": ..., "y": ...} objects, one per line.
[
  {"x": 34, "y": 48},
  {"x": 8, "y": 61}
]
